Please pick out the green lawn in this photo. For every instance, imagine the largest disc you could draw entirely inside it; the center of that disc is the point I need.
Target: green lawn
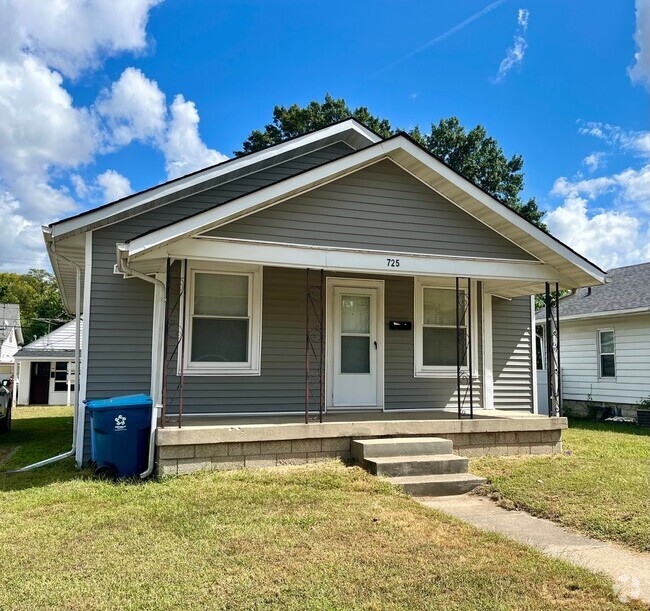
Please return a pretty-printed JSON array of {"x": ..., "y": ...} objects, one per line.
[
  {"x": 599, "y": 485},
  {"x": 316, "y": 537}
]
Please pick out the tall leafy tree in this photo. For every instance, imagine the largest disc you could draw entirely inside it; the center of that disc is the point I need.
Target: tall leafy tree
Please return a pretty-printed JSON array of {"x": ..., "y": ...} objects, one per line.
[
  {"x": 472, "y": 153},
  {"x": 37, "y": 294}
]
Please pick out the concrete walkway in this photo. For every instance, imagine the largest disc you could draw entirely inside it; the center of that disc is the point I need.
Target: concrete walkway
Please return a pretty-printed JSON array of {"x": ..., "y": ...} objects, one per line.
[{"x": 630, "y": 570}]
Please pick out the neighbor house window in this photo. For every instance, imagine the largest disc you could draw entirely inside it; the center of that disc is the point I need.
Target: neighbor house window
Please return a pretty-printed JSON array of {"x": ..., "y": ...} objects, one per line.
[
  {"x": 224, "y": 321},
  {"x": 436, "y": 338},
  {"x": 61, "y": 377},
  {"x": 607, "y": 354}
]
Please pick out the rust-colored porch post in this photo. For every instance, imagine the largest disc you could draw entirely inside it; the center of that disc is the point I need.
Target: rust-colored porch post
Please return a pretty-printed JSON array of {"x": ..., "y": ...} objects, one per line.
[{"x": 165, "y": 346}]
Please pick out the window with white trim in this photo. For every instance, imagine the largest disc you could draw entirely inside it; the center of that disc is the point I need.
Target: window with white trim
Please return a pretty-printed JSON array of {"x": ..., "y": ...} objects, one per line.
[
  {"x": 223, "y": 320},
  {"x": 606, "y": 354},
  {"x": 435, "y": 331}
]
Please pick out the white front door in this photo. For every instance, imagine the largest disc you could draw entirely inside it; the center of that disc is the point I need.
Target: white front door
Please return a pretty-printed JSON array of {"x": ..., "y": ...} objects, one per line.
[{"x": 356, "y": 338}]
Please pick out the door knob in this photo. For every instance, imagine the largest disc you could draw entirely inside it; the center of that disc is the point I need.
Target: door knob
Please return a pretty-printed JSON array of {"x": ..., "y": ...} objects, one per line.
[{"x": 375, "y": 345}]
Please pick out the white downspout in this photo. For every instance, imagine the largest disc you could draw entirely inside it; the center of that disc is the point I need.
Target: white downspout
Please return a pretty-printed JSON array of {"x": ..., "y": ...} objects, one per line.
[
  {"x": 14, "y": 386},
  {"x": 123, "y": 268},
  {"x": 77, "y": 357}
]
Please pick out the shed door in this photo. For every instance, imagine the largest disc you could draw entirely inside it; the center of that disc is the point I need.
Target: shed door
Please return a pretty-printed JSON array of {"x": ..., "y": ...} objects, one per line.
[{"x": 39, "y": 386}]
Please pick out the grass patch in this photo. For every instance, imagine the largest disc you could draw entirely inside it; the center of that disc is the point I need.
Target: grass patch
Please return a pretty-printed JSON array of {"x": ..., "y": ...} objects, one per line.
[
  {"x": 599, "y": 485},
  {"x": 314, "y": 537}
]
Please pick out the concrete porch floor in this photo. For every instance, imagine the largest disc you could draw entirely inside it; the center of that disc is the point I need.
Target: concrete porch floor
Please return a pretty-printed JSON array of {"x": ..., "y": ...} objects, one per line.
[{"x": 348, "y": 416}]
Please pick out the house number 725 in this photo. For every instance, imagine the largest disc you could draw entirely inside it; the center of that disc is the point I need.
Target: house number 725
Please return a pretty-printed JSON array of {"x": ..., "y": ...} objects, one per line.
[{"x": 392, "y": 262}]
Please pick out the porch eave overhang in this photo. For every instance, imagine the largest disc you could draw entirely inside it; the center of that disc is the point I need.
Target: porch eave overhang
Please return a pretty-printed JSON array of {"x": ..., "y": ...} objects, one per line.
[
  {"x": 573, "y": 269},
  {"x": 502, "y": 277}
]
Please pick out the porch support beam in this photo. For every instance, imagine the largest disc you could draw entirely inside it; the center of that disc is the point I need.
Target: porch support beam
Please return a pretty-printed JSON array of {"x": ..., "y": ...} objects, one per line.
[{"x": 354, "y": 260}]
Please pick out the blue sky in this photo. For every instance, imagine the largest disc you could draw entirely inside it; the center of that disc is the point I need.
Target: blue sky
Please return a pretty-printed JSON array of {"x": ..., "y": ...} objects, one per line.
[{"x": 96, "y": 115}]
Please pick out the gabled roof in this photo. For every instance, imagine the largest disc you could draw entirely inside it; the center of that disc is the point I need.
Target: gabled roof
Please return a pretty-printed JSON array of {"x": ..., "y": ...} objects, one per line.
[
  {"x": 60, "y": 343},
  {"x": 347, "y": 130},
  {"x": 627, "y": 291},
  {"x": 401, "y": 149},
  {"x": 10, "y": 319},
  {"x": 67, "y": 237}
]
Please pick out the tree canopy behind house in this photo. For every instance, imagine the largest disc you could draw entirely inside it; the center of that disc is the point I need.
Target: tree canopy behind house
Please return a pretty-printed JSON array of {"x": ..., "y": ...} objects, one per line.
[
  {"x": 37, "y": 294},
  {"x": 474, "y": 154}
]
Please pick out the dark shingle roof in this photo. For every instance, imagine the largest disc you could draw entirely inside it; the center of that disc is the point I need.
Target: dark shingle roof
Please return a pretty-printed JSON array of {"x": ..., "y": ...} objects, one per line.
[{"x": 628, "y": 288}]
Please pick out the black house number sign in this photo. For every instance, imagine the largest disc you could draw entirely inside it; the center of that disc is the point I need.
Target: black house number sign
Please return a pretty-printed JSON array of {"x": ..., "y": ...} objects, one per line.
[{"x": 392, "y": 262}]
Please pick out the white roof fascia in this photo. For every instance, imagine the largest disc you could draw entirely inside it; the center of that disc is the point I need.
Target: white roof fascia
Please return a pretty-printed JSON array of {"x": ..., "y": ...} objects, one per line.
[
  {"x": 138, "y": 199},
  {"x": 258, "y": 199},
  {"x": 333, "y": 170},
  {"x": 501, "y": 209}
]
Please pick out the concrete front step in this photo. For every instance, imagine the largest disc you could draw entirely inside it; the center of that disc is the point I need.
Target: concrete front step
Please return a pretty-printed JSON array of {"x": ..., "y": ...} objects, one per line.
[
  {"x": 364, "y": 449},
  {"x": 438, "y": 485},
  {"x": 393, "y": 466}
]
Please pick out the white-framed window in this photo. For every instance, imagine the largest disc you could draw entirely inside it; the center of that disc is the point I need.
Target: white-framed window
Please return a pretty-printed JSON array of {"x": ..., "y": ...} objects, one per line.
[
  {"x": 223, "y": 319},
  {"x": 606, "y": 354},
  {"x": 435, "y": 335}
]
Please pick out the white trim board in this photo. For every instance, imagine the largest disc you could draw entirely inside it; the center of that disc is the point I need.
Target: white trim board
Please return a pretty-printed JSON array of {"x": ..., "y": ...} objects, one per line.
[{"x": 348, "y": 260}]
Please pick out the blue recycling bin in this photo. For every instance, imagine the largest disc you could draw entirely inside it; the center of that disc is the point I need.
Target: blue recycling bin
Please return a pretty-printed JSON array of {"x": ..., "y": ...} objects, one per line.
[{"x": 119, "y": 434}]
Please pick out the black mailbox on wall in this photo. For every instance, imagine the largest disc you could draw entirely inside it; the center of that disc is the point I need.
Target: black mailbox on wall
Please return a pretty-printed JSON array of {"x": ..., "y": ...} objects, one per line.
[{"x": 400, "y": 325}]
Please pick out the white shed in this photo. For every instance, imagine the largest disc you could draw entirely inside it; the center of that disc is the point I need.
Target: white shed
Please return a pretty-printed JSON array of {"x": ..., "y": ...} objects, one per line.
[
  {"x": 11, "y": 337},
  {"x": 46, "y": 373}
]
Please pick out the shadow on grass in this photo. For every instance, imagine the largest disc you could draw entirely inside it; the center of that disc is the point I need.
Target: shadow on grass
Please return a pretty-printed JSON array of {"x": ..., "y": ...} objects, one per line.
[
  {"x": 610, "y": 427},
  {"x": 31, "y": 439}
]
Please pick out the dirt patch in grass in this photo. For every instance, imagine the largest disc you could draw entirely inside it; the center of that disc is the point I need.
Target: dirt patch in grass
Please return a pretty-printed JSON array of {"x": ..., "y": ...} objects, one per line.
[{"x": 599, "y": 485}]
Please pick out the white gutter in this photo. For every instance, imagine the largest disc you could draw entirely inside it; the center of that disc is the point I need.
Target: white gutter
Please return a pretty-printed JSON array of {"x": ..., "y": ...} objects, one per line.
[
  {"x": 123, "y": 268},
  {"x": 77, "y": 358}
]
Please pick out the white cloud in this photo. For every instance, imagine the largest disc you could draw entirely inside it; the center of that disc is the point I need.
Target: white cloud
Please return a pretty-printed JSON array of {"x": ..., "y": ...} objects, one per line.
[
  {"x": 522, "y": 18},
  {"x": 183, "y": 148},
  {"x": 114, "y": 185},
  {"x": 640, "y": 71},
  {"x": 636, "y": 142},
  {"x": 594, "y": 161},
  {"x": 73, "y": 35},
  {"x": 45, "y": 138},
  {"x": 608, "y": 238},
  {"x": 515, "y": 54},
  {"x": 134, "y": 109},
  {"x": 631, "y": 186}
]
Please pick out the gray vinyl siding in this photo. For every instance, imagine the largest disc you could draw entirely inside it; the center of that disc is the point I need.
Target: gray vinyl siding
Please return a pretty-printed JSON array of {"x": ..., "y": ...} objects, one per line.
[
  {"x": 512, "y": 353},
  {"x": 120, "y": 319},
  {"x": 281, "y": 385},
  {"x": 379, "y": 208}
]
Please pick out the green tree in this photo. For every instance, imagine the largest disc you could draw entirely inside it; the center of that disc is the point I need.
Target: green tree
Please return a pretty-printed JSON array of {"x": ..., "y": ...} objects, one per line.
[
  {"x": 473, "y": 153},
  {"x": 37, "y": 294}
]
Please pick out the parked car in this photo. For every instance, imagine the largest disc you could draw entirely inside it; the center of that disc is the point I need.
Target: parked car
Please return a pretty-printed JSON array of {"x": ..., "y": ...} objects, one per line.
[{"x": 5, "y": 405}]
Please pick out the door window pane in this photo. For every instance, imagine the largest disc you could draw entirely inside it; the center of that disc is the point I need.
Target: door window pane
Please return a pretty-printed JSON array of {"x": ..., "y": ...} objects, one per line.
[
  {"x": 220, "y": 295},
  {"x": 220, "y": 340},
  {"x": 439, "y": 347},
  {"x": 355, "y": 354},
  {"x": 355, "y": 314},
  {"x": 440, "y": 308}
]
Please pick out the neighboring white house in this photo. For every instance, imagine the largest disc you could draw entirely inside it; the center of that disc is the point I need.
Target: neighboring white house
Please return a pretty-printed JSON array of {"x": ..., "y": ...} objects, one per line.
[
  {"x": 11, "y": 336},
  {"x": 605, "y": 342},
  {"x": 46, "y": 368}
]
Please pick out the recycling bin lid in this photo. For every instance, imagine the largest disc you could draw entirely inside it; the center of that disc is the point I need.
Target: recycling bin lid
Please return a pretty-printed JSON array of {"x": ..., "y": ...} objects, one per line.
[{"x": 122, "y": 402}]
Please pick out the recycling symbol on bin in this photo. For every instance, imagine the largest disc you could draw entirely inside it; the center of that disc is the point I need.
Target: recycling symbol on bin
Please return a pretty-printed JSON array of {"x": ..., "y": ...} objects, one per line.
[{"x": 120, "y": 422}]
